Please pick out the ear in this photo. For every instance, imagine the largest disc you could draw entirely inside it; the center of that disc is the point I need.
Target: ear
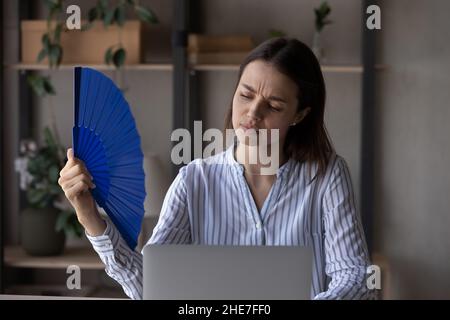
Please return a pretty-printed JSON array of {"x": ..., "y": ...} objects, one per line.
[{"x": 302, "y": 114}]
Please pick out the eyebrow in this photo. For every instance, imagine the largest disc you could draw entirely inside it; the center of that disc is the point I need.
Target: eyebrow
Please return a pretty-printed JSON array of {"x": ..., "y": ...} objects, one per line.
[{"x": 273, "y": 98}]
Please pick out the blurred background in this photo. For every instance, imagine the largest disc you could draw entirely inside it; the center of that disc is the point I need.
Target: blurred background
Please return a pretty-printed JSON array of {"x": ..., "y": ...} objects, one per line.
[{"x": 177, "y": 61}]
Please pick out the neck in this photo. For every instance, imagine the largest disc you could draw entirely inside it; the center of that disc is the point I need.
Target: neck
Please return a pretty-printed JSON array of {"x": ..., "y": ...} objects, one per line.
[{"x": 255, "y": 164}]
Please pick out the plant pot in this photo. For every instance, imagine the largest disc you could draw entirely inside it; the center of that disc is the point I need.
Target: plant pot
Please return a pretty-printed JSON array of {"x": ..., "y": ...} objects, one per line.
[
  {"x": 38, "y": 234},
  {"x": 82, "y": 47}
]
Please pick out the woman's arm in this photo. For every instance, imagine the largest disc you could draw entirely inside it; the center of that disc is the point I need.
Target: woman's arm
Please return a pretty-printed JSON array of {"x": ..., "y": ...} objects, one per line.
[
  {"x": 125, "y": 265},
  {"x": 121, "y": 263},
  {"x": 346, "y": 251}
]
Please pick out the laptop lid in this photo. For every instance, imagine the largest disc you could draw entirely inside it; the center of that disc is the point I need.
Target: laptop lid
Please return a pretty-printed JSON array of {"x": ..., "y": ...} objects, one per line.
[{"x": 191, "y": 272}]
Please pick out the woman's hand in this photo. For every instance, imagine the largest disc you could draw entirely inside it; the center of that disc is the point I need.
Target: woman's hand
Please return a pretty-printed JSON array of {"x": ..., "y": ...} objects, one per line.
[{"x": 76, "y": 181}]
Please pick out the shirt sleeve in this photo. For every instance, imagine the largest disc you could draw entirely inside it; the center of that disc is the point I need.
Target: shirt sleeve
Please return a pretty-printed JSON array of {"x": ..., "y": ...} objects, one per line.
[
  {"x": 125, "y": 265},
  {"x": 346, "y": 251},
  {"x": 173, "y": 226},
  {"x": 121, "y": 263}
]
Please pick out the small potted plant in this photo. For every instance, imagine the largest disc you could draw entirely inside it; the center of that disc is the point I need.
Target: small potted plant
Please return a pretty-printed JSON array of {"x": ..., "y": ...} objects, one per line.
[
  {"x": 108, "y": 24},
  {"x": 321, "y": 14},
  {"x": 44, "y": 222}
]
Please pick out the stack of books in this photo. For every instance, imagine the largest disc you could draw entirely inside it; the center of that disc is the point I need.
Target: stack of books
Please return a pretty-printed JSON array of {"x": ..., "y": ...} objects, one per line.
[{"x": 219, "y": 49}]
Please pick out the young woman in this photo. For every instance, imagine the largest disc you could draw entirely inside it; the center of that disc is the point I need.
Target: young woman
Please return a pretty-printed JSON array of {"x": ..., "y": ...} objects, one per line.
[{"x": 226, "y": 200}]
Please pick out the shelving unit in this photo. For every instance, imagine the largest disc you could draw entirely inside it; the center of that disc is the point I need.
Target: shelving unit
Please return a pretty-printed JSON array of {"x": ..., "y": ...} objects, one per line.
[
  {"x": 235, "y": 67},
  {"x": 133, "y": 67},
  {"x": 169, "y": 67},
  {"x": 83, "y": 257},
  {"x": 186, "y": 95}
]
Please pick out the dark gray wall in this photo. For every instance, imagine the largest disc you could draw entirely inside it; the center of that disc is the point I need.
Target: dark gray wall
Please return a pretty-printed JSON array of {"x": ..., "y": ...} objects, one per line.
[
  {"x": 413, "y": 150},
  {"x": 412, "y": 178}
]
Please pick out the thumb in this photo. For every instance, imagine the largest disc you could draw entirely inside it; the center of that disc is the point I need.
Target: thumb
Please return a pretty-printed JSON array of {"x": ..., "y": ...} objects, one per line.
[{"x": 70, "y": 154}]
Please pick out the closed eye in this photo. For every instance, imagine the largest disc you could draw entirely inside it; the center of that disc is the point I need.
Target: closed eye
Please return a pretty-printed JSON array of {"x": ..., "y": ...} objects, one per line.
[
  {"x": 274, "y": 109},
  {"x": 245, "y": 97}
]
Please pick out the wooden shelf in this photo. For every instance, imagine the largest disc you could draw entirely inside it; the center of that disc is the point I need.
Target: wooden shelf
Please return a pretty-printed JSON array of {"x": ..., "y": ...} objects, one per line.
[
  {"x": 169, "y": 67},
  {"x": 137, "y": 67},
  {"x": 325, "y": 68},
  {"x": 84, "y": 257}
]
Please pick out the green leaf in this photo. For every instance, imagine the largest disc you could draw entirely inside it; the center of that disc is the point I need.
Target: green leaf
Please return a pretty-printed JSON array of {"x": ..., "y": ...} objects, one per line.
[
  {"x": 37, "y": 84},
  {"x": 49, "y": 139},
  {"x": 102, "y": 6},
  {"x": 53, "y": 173},
  {"x": 67, "y": 221},
  {"x": 50, "y": 3},
  {"x": 53, "y": 4},
  {"x": 276, "y": 33},
  {"x": 36, "y": 196},
  {"x": 58, "y": 30},
  {"x": 46, "y": 41},
  {"x": 92, "y": 14},
  {"x": 119, "y": 57},
  {"x": 321, "y": 14},
  {"x": 108, "y": 19},
  {"x": 109, "y": 55},
  {"x": 42, "y": 54},
  {"x": 55, "y": 55},
  {"x": 145, "y": 14},
  {"x": 61, "y": 221},
  {"x": 55, "y": 189},
  {"x": 104, "y": 3},
  {"x": 48, "y": 87},
  {"x": 119, "y": 15}
]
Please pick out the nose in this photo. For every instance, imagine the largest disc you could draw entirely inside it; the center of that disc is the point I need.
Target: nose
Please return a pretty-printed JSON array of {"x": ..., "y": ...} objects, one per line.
[{"x": 255, "y": 111}]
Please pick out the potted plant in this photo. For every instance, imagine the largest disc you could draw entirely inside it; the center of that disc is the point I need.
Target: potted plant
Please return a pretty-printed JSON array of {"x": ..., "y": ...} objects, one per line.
[
  {"x": 321, "y": 14},
  {"x": 107, "y": 27},
  {"x": 44, "y": 223}
]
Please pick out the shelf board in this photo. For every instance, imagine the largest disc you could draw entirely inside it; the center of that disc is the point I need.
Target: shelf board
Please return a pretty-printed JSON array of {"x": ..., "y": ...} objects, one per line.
[
  {"x": 137, "y": 67},
  {"x": 84, "y": 257},
  {"x": 325, "y": 68},
  {"x": 169, "y": 67},
  {"x": 235, "y": 67}
]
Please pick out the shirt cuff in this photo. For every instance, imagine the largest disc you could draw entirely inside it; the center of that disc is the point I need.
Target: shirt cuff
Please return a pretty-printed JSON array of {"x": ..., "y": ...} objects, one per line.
[{"x": 105, "y": 243}]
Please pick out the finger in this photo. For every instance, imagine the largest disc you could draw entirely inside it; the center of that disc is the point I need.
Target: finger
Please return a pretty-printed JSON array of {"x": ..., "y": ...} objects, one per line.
[
  {"x": 76, "y": 169},
  {"x": 71, "y": 161},
  {"x": 65, "y": 185},
  {"x": 76, "y": 190},
  {"x": 70, "y": 155},
  {"x": 68, "y": 182}
]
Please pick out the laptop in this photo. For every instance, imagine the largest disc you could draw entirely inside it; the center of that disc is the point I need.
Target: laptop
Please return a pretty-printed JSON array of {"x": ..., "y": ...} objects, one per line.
[{"x": 193, "y": 272}]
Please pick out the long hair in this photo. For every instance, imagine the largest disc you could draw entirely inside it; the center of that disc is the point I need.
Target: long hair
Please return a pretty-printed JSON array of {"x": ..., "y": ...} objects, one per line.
[{"x": 307, "y": 141}]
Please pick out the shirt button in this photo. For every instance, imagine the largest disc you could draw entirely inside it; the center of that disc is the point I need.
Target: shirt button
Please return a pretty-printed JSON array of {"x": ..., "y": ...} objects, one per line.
[{"x": 258, "y": 226}]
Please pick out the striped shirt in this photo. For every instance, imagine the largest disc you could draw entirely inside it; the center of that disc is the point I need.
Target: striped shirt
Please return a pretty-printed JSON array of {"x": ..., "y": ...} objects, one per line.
[{"x": 210, "y": 203}]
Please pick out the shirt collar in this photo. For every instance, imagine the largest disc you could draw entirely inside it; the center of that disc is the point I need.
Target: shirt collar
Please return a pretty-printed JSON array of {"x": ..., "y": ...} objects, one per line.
[{"x": 239, "y": 168}]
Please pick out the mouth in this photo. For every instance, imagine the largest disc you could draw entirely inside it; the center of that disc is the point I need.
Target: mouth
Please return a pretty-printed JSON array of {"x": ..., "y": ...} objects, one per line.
[{"x": 246, "y": 127}]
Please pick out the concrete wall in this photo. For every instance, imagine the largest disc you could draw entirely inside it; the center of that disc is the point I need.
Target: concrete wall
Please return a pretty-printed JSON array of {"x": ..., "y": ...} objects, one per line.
[{"x": 413, "y": 149}]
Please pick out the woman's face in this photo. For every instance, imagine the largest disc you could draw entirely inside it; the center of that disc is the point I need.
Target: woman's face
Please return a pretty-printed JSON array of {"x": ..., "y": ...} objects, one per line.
[{"x": 264, "y": 99}]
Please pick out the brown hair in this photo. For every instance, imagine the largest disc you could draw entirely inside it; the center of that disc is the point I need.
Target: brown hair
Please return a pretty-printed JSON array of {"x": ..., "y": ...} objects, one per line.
[{"x": 307, "y": 141}]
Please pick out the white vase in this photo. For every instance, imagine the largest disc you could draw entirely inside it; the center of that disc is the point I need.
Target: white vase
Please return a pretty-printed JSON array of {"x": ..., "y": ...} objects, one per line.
[{"x": 317, "y": 46}]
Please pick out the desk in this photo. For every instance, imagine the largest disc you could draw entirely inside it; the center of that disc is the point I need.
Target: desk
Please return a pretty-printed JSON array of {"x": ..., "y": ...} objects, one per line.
[
  {"x": 84, "y": 257},
  {"x": 28, "y": 297}
]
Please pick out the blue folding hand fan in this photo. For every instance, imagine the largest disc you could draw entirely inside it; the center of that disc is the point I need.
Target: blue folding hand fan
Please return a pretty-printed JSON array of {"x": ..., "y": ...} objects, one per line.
[{"x": 106, "y": 139}]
